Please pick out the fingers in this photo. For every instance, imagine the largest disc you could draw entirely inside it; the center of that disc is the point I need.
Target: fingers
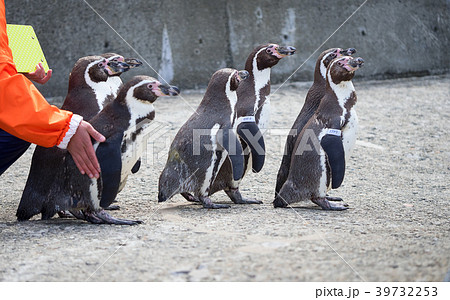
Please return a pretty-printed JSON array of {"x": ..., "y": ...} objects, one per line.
[
  {"x": 46, "y": 77},
  {"x": 84, "y": 164},
  {"x": 92, "y": 162},
  {"x": 95, "y": 134},
  {"x": 39, "y": 74},
  {"x": 82, "y": 151}
]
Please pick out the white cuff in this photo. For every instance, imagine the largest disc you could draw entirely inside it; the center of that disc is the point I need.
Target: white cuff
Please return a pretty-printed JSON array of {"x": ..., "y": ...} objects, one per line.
[
  {"x": 335, "y": 132},
  {"x": 245, "y": 119},
  {"x": 73, "y": 126}
]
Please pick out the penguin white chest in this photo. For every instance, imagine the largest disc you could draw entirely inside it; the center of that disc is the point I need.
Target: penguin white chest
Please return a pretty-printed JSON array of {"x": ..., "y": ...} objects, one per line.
[
  {"x": 103, "y": 89},
  {"x": 344, "y": 91},
  {"x": 209, "y": 173},
  {"x": 264, "y": 117},
  {"x": 133, "y": 142},
  {"x": 323, "y": 187},
  {"x": 133, "y": 147},
  {"x": 262, "y": 101},
  {"x": 349, "y": 134}
]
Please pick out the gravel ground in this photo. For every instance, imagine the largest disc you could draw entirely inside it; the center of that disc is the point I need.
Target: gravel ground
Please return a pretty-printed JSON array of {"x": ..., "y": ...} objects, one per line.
[{"x": 397, "y": 227}]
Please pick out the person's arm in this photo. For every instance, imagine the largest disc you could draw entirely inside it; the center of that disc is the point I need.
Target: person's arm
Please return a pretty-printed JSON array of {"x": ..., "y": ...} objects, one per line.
[{"x": 25, "y": 113}]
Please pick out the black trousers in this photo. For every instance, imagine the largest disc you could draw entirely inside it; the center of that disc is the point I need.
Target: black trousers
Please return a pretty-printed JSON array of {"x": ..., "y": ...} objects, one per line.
[{"x": 11, "y": 148}]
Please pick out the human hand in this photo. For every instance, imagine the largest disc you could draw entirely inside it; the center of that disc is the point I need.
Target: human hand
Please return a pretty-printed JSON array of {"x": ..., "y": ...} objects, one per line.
[
  {"x": 39, "y": 75},
  {"x": 82, "y": 151}
]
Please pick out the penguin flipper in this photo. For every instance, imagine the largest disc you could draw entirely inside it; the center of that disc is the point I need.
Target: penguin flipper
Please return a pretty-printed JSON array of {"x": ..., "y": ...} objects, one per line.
[
  {"x": 333, "y": 147},
  {"x": 250, "y": 133},
  {"x": 110, "y": 158},
  {"x": 231, "y": 143},
  {"x": 136, "y": 166}
]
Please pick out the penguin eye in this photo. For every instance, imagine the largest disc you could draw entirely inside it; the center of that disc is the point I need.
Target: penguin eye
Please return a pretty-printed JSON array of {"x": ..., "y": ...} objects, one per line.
[
  {"x": 100, "y": 64},
  {"x": 333, "y": 55},
  {"x": 151, "y": 85}
]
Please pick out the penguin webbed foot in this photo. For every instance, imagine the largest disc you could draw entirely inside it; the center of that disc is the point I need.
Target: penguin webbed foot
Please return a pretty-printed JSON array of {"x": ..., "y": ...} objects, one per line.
[
  {"x": 236, "y": 197},
  {"x": 327, "y": 205},
  {"x": 336, "y": 199},
  {"x": 207, "y": 203},
  {"x": 102, "y": 217},
  {"x": 65, "y": 214},
  {"x": 279, "y": 202},
  {"x": 191, "y": 198},
  {"x": 112, "y": 207}
]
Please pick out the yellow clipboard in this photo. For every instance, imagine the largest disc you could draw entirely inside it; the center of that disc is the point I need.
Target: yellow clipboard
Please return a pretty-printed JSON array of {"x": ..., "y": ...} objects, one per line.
[{"x": 26, "y": 50}]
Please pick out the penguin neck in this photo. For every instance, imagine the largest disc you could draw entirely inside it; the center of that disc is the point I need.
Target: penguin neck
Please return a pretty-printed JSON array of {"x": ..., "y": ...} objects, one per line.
[
  {"x": 317, "y": 90},
  {"x": 342, "y": 90},
  {"x": 103, "y": 89},
  {"x": 115, "y": 83},
  {"x": 345, "y": 96},
  {"x": 232, "y": 99},
  {"x": 261, "y": 79},
  {"x": 139, "y": 110},
  {"x": 320, "y": 73}
]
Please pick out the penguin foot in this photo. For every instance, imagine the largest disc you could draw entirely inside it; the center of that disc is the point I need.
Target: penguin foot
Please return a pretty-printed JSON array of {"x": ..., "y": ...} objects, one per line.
[
  {"x": 327, "y": 205},
  {"x": 190, "y": 197},
  {"x": 207, "y": 203},
  {"x": 333, "y": 198},
  {"x": 102, "y": 217},
  {"x": 279, "y": 202},
  {"x": 236, "y": 197},
  {"x": 112, "y": 207},
  {"x": 65, "y": 214}
]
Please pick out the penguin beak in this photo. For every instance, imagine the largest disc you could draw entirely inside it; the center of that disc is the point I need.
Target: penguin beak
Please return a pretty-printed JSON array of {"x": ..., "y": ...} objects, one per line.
[
  {"x": 133, "y": 62},
  {"x": 356, "y": 62},
  {"x": 353, "y": 64},
  {"x": 286, "y": 51},
  {"x": 116, "y": 67},
  {"x": 349, "y": 51},
  {"x": 242, "y": 75},
  {"x": 169, "y": 90}
]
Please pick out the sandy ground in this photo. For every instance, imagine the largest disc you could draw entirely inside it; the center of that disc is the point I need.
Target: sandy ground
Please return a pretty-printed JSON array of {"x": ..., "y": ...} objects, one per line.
[{"x": 397, "y": 227}]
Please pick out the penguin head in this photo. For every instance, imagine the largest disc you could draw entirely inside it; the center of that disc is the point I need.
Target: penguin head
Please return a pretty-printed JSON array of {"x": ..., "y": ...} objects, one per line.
[
  {"x": 113, "y": 67},
  {"x": 97, "y": 68},
  {"x": 114, "y": 57},
  {"x": 343, "y": 68},
  {"x": 327, "y": 56},
  {"x": 236, "y": 77},
  {"x": 148, "y": 89},
  {"x": 94, "y": 69},
  {"x": 267, "y": 56},
  {"x": 223, "y": 82}
]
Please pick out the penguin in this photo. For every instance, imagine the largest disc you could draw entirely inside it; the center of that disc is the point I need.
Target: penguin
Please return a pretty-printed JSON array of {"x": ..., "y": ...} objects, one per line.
[
  {"x": 208, "y": 139},
  {"x": 94, "y": 82},
  {"x": 253, "y": 105},
  {"x": 312, "y": 101},
  {"x": 68, "y": 188},
  {"x": 324, "y": 144}
]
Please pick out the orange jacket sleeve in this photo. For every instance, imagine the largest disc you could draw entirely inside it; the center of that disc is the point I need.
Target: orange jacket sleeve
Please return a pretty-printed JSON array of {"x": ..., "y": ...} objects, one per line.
[{"x": 24, "y": 112}]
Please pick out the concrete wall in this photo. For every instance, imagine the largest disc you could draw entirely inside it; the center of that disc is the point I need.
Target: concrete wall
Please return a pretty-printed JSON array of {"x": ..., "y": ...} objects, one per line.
[{"x": 187, "y": 41}]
